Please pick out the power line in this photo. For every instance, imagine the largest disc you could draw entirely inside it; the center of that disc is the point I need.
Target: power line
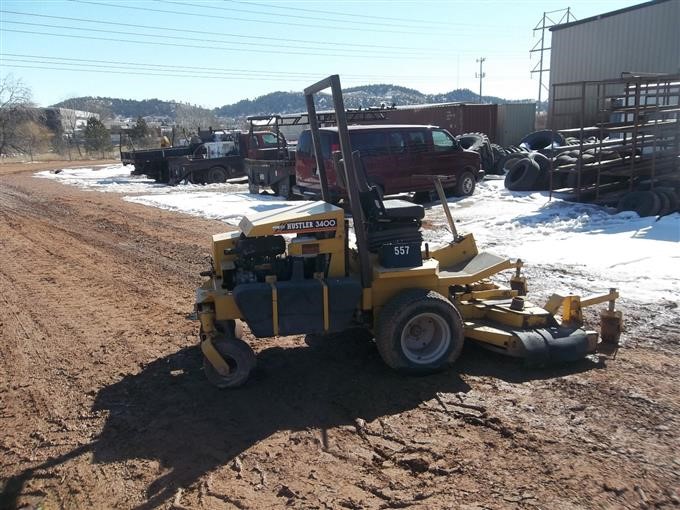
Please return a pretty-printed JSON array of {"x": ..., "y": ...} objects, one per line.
[
  {"x": 201, "y": 32},
  {"x": 215, "y": 70},
  {"x": 314, "y": 52},
  {"x": 232, "y": 18},
  {"x": 88, "y": 69},
  {"x": 82, "y": 68},
  {"x": 260, "y": 13},
  {"x": 335, "y": 13},
  {"x": 352, "y": 52},
  {"x": 189, "y": 73},
  {"x": 165, "y": 43}
]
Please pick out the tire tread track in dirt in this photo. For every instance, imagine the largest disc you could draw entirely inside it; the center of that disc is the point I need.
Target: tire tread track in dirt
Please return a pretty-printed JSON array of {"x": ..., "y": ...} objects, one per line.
[{"x": 103, "y": 403}]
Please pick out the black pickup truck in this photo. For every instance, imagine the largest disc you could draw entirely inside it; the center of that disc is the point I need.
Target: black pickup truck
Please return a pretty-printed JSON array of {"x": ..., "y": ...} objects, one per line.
[
  {"x": 154, "y": 162},
  {"x": 218, "y": 156}
]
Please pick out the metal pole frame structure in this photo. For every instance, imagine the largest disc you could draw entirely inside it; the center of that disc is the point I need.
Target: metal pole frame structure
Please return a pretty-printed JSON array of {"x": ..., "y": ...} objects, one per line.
[
  {"x": 542, "y": 26},
  {"x": 333, "y": 82}
]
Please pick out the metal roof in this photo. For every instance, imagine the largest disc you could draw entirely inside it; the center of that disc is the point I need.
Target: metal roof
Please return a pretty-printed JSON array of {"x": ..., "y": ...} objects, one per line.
[{"x": 608, "y": 14}]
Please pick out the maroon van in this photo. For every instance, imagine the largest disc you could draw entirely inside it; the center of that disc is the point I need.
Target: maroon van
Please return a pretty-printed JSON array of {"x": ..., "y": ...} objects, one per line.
[{"x": 394, "y": 156}]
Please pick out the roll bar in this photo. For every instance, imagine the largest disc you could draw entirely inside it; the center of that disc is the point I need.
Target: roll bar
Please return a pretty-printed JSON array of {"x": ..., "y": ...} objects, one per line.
[{"x": 358, "y": 220}]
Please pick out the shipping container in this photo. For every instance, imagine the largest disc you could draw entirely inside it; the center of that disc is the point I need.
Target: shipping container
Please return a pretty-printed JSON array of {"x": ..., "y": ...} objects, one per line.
[
  {"x": 457, "y": 118},
  {"x": 515, "y": 121}
]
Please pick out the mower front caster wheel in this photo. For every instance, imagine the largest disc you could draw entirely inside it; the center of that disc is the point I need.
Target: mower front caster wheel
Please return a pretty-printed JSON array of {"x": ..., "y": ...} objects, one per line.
[
  {"x": 240, "y": 358},
  {"x": 419, "y": 332}
]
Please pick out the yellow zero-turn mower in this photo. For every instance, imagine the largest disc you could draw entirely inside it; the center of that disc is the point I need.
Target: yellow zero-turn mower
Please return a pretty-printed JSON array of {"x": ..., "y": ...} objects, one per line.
[{"x": 292, "y": 271}]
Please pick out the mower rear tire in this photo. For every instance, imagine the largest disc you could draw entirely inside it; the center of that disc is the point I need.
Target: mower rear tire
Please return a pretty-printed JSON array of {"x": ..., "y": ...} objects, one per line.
[
  {"x": 419, "y": 332},
  {"x": 240, "y": 358}
]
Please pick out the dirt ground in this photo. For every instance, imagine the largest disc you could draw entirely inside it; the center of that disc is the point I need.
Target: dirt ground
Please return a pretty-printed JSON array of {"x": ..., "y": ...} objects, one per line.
[{"x": 103, "y": 403}]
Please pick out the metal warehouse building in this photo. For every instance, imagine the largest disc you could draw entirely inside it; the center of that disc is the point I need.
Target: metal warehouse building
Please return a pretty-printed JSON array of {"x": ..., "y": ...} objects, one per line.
[{"x": 642, "y": 39}]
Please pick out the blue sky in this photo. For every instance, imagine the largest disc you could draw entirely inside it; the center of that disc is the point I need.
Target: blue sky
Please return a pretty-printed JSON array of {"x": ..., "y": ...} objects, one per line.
[{"x": 217, "y": 52}]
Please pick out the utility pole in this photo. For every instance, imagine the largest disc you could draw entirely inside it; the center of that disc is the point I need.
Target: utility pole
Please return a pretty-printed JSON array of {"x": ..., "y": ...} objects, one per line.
[
  {"x": 480, "y": 75},
  {"x": 546, "y": 22}
]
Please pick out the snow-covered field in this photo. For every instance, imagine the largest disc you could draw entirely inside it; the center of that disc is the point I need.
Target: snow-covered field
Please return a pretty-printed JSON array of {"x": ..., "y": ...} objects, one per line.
[{"x": 640, "y": 256}]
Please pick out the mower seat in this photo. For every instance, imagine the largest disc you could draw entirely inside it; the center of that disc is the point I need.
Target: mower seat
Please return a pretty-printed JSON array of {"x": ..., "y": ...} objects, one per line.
[
  {"x": 378, "y": 209},
  {"x": 401, "y": 209}
]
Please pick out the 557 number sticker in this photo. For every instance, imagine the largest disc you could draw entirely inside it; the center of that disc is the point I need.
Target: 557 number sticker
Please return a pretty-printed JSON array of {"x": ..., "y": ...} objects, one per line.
[{"x": 401, "y": 250}]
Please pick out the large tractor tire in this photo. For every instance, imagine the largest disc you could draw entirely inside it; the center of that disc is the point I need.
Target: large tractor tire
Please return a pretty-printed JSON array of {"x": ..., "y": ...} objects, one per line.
[
  {"x": 419, "y": 331},
  {"x": 472, "y": 141},
  {"x": 479, "y": 143},
  {"x": 498, "y": 153},
  {"x": 543, "y": 139}
]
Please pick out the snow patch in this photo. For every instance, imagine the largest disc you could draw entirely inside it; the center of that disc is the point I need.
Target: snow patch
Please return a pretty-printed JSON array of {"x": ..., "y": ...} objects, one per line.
[
  {"x": 227, "y": 207},
  {"x": 640, "y": 256}
]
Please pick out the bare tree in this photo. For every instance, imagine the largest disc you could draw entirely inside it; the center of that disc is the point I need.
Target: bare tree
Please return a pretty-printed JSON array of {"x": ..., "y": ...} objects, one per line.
[
  {"x": 15, "y": 108},
  {"x": 33, "y": 137},
  {"x": 192, "y": 118}
]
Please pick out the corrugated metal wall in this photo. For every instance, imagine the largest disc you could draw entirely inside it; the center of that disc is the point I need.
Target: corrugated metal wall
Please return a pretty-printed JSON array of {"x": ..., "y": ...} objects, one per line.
[
  {"x": 642, "y": 40},
  {"x": 515, "y": 121}
]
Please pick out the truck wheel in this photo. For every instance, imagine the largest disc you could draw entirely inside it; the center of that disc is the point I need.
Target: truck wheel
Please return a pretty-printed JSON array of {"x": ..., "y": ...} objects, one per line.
[
  {"x": 217, "y": 174},
  {"x": 253, "y": 188},
  {"x": 465, "y": 186},
  {"x": 240, "y": 358},
  {"x": 419, "y": 331}
]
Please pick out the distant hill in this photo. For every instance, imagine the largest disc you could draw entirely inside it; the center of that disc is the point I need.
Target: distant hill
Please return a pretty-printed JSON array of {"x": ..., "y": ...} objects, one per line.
[
  {"x": 132, "y": 108},
  {"x": 276, "y": 102},
  {"x": 355, "y": 97}
]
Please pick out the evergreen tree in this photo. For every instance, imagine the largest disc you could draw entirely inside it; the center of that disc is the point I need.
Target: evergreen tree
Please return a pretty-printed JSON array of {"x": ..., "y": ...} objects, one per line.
[
  {"x": 97, "y": 137},
  {"x": 141, "y": 134}
]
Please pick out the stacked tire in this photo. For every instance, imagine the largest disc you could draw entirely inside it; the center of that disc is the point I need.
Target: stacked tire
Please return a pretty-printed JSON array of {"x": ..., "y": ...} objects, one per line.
[
  {"x": 660, "y": 201},
  {"x": 528, "y": 172}
]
